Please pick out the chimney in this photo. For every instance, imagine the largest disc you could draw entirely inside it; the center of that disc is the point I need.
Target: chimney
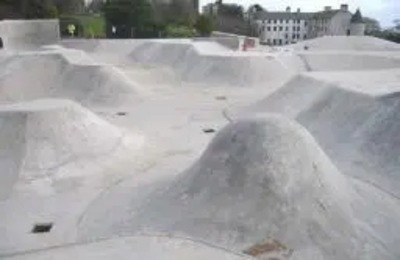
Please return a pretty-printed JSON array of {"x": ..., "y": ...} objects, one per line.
[
  {"x": 344, "y": 7},
  {"x": 328, "y": 8},
  {"x": 288, "y": 9},
  {"x": 298, "y": 10}
]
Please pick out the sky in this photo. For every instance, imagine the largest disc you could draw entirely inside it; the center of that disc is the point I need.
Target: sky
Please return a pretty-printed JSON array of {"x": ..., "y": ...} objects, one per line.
[{"x": 385, "y": 11}]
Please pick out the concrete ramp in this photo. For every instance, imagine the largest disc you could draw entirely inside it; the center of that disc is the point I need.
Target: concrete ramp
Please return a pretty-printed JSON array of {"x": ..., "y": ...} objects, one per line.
[
  {"x": 354, "y": 120},
  {"x": 349, "y": 61},
  {"x": 347, "y": 43},
  {"x": 208, "y": 63},
  {"x": 161, "y": 53},
  {"x": 45, "y": 141},
  {"x": 29, "y": 34},
  {"x": 114, "y": 52},
  {"x": 64, "y": 74}
]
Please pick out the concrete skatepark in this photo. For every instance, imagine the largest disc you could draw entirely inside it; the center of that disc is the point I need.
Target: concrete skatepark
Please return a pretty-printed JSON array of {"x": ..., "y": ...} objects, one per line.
[{"x": 194, "y": 149}]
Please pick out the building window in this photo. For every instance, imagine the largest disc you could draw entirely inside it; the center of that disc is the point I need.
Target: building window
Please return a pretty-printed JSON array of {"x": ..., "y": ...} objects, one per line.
[
  {"x": 280, "y": 28},
  {"x": 287, "y": 28},
  {"x": 275, "y": 21},
  {"x": 280, "y": 41},
  {"x": 274, "y": 28},
  {"x": 305, "y": 23},
  {"x": 305, "y": 36},
  {"x": 298, "y": 29},
  {"x": 294, "y": 28},
  {"x": 268, "y": 28},
  {"x": 286, "y": 36},
  {"x": 294, "y": 36},
  {"x": 273, "y": 42}
]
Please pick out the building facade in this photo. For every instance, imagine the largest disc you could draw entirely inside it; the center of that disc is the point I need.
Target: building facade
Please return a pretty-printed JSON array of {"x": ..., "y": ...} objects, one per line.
[{"x": 281, "y": 28}]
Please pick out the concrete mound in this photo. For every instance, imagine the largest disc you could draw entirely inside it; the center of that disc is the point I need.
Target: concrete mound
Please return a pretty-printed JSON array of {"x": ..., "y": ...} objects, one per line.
[
  {"x": 210, "y": 63},
  {"x": 347, "y": 43},
  {"x": 48, "y": 140},
  {"x": 27, "y": 35},
  {"x": 63, "y": 74},
  {"x": 260, "y": 178},
  {"x": 356, "y": 127}
]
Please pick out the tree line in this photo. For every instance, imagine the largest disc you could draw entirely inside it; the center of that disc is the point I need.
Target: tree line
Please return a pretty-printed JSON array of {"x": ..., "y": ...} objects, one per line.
[
  {"x": 373, "y": 28},
  {"x": 142, "y": 19},
  {"x": 39, "y": 9}
]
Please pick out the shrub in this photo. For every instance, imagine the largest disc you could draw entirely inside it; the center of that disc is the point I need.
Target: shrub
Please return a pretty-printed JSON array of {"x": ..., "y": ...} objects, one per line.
[
  {"x": 204, "y": 25},
  {"x": 178, "y": 31}
]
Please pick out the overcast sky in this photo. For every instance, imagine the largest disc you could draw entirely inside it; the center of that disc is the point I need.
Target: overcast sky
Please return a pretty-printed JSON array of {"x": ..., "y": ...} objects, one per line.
[{"x": 383, "y": 10}]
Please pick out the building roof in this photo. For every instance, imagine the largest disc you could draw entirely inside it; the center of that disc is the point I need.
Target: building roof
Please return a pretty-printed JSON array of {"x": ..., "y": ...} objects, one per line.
[
  {"x": 295, "y": 15},
  {"x": 326, "y": 14},
  {"x": 357, "y": 17},
  {"x": 282, "y": 16}
]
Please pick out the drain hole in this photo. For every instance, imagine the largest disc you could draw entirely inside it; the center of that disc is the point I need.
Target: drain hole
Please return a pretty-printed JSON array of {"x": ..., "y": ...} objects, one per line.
[
  {"x": 42, "y": 228},
  {"x": 121, "y": 113},
  {"x": 220, "y": 98},
  {"x": 208, "y": 130}
]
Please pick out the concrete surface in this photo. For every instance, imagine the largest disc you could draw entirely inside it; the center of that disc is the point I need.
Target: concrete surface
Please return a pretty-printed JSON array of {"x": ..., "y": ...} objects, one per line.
[
  {"x": 148, "y": 148},
  {"x": 346, "y": 43},
  {"x": 22, "y": 35},
  {"x": 139, "y": 247}
]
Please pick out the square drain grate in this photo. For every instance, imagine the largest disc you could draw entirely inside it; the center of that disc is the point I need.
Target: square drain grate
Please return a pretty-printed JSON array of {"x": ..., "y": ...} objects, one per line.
[{"x": 42, "y": 228}]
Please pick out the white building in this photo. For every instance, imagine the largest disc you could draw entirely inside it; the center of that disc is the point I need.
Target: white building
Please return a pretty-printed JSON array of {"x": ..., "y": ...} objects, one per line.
[{"x": 280, "y": 28}]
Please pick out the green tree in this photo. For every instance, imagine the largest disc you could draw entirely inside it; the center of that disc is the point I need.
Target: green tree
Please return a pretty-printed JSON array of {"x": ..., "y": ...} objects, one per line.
[
  {"x": 371, "y": 25},
  {"x": 49, "y": 10},
  {"x": 70, "y": 6},
  {"x": 95, "y": 6},
  {"x": 232, "y": 10},
  {"x": 130, "y": 17},
  {"x": 38, "y": 9},
  {"x": 397, "y": 24},
  {"x": 258, "y": 8},
  {"x": 204, "y": 25},
  {"x": 179, "y": 12}
]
